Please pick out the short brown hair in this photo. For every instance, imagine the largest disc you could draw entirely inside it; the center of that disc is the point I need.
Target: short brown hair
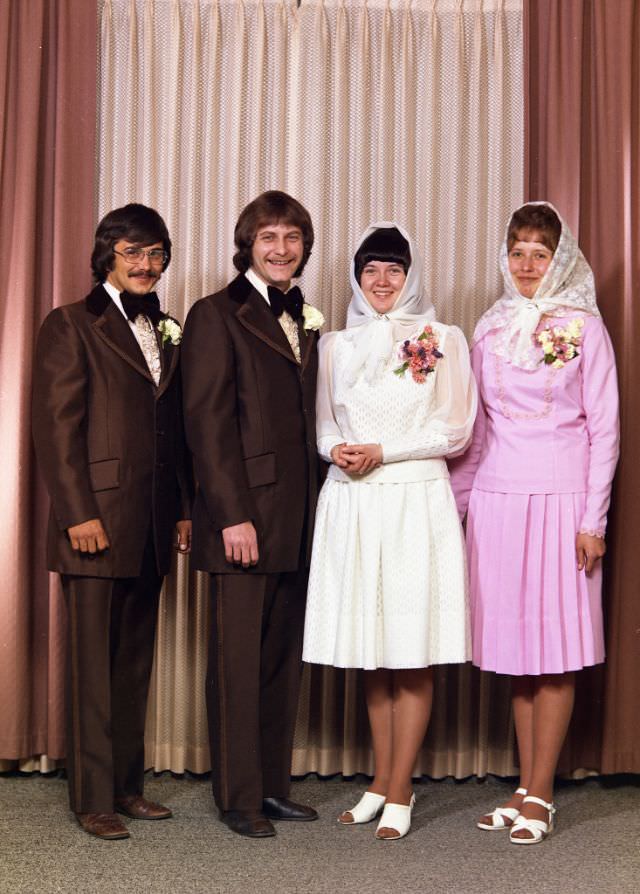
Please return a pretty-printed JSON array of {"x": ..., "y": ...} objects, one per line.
[
  {"x": 271, "y": 207},
  {"x": 539, "y": 219}
]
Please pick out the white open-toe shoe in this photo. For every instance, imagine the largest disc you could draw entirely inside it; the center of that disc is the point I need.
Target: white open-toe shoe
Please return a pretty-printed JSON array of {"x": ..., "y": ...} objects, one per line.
[
  {"x": 537, "y": 828},
  {"x": 500, "y": 814},
  {"x": 367, "y": 809},
  {"x": 396, "y": 817}
]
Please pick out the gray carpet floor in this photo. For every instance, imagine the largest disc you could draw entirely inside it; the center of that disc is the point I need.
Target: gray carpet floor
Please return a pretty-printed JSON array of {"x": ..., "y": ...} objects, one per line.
[{"x": 595, "y": 848}]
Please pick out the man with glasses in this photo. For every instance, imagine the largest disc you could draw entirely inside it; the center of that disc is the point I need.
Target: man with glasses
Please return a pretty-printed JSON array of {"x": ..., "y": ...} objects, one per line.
[{"x": 107, "y": 426}]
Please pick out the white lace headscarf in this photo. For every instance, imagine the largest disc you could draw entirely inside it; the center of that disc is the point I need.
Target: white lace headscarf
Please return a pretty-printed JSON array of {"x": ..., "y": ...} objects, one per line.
[
  {"x": 373, "y": 335},
  {"x": 567, "y": 286}
]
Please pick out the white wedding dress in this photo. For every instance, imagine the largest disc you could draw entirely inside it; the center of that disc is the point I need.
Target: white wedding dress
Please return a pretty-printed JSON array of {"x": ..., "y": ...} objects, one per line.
[{"x": 388, "y": 583}]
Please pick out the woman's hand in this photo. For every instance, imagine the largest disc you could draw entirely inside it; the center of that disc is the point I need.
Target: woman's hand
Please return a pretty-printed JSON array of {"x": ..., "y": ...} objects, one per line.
[
  {"x": 589, "y": 550},
  {"x": 337, "y": 455},
  {"x": 361, "y": 458}
]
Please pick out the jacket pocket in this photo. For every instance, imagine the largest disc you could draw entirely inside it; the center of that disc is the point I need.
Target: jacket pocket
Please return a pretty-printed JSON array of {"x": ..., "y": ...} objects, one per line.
[
  {"x": 261, "y": 469},
  {"x": 104, "y": 475}
]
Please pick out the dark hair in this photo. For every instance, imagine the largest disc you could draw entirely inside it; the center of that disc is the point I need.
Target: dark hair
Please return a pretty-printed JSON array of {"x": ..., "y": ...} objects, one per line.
[
  {"x": 539, "y": 219},
  {"x": 384, "y": 244},
  {"x": 272, "y": 207},
  {"x": 135, "y": 223}
]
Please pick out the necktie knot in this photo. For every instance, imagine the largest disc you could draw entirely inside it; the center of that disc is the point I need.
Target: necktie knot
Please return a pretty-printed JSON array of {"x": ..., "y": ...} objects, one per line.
[
  {"x": 290, "y": 301},
  {"x": 148, "y": 304}
]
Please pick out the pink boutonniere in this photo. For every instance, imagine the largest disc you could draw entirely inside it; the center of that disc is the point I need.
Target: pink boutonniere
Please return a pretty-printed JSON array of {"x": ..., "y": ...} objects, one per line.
[
  {"x": 419, "y": 355},
  {"x": 560, "y": 345}
]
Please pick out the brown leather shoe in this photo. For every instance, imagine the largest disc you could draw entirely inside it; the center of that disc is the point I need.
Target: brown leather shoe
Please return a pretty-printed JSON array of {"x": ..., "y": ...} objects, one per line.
[
  {"x": 103, "y": 825},
  {"x": 284, "y": 809},
  {"x": 138, "y": 807},
  {"x": 250, "y": 823}
]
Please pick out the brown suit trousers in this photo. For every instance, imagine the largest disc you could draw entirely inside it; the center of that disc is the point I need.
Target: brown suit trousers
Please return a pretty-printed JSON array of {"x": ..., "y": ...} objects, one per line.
[
  {"x": 253, "y": 680},
  {"x": 112, "y": 624}
]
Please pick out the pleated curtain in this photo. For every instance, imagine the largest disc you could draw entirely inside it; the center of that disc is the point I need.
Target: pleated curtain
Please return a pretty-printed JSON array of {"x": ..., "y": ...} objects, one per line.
[{"x": 386, "y": 109}]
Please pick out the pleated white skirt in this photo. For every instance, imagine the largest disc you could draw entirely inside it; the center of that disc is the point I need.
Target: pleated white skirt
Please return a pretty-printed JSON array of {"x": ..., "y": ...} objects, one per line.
[{"x": 388, "y": 583}]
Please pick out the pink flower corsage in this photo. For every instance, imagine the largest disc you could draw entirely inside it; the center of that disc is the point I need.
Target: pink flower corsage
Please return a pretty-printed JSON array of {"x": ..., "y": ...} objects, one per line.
[
  {"x": 560, "y": 345},
  {"x": 419, "y": 355}
]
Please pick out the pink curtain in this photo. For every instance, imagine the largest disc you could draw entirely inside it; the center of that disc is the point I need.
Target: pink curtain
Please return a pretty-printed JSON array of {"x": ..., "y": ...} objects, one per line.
[
  {"x": 47, "y": 156},
  {"x": 583, "y": 146}
]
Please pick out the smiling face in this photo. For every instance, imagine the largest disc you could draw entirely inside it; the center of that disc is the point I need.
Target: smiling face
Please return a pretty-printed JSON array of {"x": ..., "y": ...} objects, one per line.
[
  {"x": 139, "y": 277},
  {"x": 381, "y": 283},
  {"x": 529, "y": 260},
  {"x": 276, "y": 253}
]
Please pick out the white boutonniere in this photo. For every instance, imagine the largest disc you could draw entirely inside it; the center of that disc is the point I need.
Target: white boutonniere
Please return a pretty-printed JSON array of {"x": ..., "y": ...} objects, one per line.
[
  {"x": 170, "y": 330},
  {"x": 312, "y": 318}
]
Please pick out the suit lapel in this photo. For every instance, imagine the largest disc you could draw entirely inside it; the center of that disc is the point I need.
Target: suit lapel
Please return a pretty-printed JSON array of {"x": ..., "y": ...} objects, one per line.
[
  {"x": 307, "y": 339},
  {"x": 169, "y": 356},
  {"x": 113, "y": 329},
  {"x": 254, "y": 314}
]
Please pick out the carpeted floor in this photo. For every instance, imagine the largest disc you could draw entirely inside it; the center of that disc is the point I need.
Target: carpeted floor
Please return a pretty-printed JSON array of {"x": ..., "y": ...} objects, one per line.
[{"x": 596, "y": 847}]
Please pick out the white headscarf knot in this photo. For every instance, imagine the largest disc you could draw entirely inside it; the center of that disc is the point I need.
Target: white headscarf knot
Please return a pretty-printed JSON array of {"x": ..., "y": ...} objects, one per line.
[{"x": 566, "y": 287}]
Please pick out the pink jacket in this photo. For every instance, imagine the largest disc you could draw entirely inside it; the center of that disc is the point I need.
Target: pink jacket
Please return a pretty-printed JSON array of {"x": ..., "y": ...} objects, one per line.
[{"x": 548, "y": 430}]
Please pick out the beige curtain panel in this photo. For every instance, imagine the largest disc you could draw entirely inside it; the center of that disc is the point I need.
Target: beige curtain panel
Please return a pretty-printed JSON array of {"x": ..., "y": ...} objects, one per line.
[{"x": 389, "y": 109}]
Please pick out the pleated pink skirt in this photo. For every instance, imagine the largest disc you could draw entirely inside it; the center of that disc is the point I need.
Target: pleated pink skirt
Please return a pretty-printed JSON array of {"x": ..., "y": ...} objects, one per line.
[{"x": 532, "y": 611}]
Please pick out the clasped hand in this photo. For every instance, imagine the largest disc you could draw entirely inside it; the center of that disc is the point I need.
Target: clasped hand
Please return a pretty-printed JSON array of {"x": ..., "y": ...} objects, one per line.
[{"x": 357, "y": 459}]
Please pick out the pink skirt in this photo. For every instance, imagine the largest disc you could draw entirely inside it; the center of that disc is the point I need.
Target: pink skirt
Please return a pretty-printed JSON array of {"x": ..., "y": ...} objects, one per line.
[{"x": 532, "y": 611}]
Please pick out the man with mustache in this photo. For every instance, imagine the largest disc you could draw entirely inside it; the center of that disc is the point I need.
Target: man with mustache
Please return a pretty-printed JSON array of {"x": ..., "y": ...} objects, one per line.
[
  {"x": 107, "y": 425},
  {"x": 250, "y": 363}
]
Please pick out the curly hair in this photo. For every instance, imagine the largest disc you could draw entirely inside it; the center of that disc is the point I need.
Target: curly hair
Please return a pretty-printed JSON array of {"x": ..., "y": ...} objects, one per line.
[
  {"x": 271, "y": 207},
  {"x": 136, "y": 223},
  {"x": 539, "y": 219}
]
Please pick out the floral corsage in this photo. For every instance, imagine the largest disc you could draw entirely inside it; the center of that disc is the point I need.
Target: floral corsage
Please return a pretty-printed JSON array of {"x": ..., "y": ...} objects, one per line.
[
  {"x": 560, "y": 345},
  {"x": 170, "y": 330},
  {"x": 312, "y": 318},
  {"x": 419, "y": 355}
]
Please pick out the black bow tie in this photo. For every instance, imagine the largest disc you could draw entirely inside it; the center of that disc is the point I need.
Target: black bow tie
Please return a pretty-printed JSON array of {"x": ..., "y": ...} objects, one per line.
[
  {"x": 148, "y": 304},
  {"x": 292, "y": 301}
]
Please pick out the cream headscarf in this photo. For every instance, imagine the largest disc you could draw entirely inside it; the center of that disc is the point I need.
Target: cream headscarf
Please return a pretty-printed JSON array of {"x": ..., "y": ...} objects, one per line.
[
  {"x": 374, "y": 335},
  {"x": 567, "y": 286}
]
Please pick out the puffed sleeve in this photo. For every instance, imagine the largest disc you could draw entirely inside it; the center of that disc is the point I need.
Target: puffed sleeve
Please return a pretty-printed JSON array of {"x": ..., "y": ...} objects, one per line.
[
  {"x": 600, "y": 402},
  {"x": 462, "y": 469},
  {"x": 327, "y": 429},
  {"x": 449, "y": 427}
]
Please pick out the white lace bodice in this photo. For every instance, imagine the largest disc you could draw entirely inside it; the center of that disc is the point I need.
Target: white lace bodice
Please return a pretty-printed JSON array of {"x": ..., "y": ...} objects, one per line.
[{"x": 411, "y": 421}]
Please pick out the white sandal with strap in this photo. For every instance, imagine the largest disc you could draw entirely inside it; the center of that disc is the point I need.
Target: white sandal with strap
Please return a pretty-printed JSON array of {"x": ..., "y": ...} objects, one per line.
[
  {"x": 538, "y": 828},
  {"x": 500, "y": 814},
  {"x": 396, "y": 817},
  {"x": 367, "y": 808}
]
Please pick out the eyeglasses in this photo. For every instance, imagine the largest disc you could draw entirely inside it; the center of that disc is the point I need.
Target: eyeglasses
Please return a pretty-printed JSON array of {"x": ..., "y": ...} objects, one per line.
[{"x": 134, "y": 255}]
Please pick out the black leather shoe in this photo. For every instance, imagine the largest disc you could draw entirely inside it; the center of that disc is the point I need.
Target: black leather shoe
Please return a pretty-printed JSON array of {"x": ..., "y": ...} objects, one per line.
[
  {"x": 250, "y": 823},
  {"x": 284, "y": 809}
]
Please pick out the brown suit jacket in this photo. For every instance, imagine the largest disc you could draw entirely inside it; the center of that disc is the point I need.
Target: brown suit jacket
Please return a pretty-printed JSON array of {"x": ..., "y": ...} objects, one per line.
[
  {"x": 109, "y": 442},
  {"x": 250, "y": 423}
]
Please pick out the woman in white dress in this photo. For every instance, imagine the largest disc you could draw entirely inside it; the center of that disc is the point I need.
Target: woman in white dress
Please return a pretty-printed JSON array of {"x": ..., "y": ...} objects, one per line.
[{"x": 387, "y": 588}]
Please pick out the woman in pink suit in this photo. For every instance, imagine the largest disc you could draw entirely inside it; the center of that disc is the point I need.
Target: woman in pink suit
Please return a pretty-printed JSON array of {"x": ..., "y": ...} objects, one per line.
[{"x": 536, "y": 483}]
